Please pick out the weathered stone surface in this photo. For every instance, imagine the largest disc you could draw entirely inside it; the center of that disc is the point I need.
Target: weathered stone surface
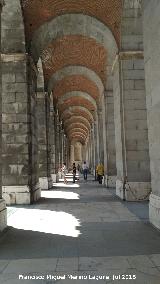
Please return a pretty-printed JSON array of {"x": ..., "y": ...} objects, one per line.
[
  {"x": 3, "y": 215},
  {"x": 132, "y": 148},
  {"x": 152, "y": 61},
  {"x": 137, "y": 191},
  {"x": 154, "y": 210}
]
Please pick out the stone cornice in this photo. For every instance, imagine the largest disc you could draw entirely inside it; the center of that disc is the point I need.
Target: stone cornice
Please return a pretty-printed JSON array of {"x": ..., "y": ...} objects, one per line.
[
  {"x": 19, "y": 57},
  {"x": 125, "y": 55},
  {"x": 14, "y": 57}
]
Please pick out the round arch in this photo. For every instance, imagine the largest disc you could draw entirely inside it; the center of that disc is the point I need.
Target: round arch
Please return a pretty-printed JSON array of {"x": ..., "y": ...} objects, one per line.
[
  {"x": 73, "y": 119},
  {"x": 76, "y": 83},
  {"x": 78, "y": 110},
  {"x": 88, "y": 26}
]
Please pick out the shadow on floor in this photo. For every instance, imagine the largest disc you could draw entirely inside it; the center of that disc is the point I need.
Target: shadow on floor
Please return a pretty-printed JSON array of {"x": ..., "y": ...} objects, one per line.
[{"x": 96, "y": 239}]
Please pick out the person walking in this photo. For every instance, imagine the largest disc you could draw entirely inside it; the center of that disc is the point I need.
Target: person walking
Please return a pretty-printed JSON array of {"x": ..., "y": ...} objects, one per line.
[
  {"x": 100, "y": 172},
  {"x": 78, "y": 168},
  {"x": 64, "y": 172},
  {"x": 74, "y": 172},
  {"x": 85, "y": 170}
]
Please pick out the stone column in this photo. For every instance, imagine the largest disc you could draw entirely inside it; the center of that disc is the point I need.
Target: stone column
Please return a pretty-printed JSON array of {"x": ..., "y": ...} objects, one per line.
[
  {"x": 132, "y": 155},
  {"x": 94, "y": 137},
  {"x": 89, "y": 152},
  {"x": 71, "y": 154},
  {"x": 19, "y": 133},
  {"x": 19, "y": 148},
  {"x": 96, "y": 126},
  {"x": 110, "y": 140},
  {"x": 104, "y": 136},
  {"x": 52, "y": 140},
  {"x": 60, "y": 145},
  {"x": 43, "y": 113},
  {"x": 66, "y": 150},
  {"x": 56, "y": 127},
  {"x": 93, "y": 150},
  {"x": 3, "y": 210},
  {"x": 151, "y": 29},
  {"x": 63, "y": 154},
  {"x": 100, "y": 133},
  {"x": 48, "y": 138}
]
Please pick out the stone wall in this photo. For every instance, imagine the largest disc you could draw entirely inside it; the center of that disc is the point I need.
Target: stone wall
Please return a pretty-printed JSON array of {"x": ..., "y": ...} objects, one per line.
[
  {"x": 151, "y": 27},
  {"x": 52, "y": 140},
  {"x": 132, "y": 150},
  {"x": 132, "y": 130},
  {"x": 118, "y": 129},
  {"x": 110, "y": 134},
  {"x": 131, "y": 27},
  {"x": 19, "y": 148},
  {"x": 3, "y": 210}
]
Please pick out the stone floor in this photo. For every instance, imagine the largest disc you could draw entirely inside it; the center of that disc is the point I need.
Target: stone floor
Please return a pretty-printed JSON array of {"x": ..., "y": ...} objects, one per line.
[{"x": 81, "y": 233}]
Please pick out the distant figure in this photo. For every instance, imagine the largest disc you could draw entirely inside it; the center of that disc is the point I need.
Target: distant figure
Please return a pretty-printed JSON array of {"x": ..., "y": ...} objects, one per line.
[
  {"x": 85, "y": 170},
  {"x": 100, "y": 172},
  {"x": 78, "y": 168},
  {"x": 74, "y": 172},
  {"x": 64, "y": 172}
]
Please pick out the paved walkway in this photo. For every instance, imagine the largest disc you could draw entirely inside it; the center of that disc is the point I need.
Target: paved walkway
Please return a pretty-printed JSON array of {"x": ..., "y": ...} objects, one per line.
[{"x": 80, "y": 231}]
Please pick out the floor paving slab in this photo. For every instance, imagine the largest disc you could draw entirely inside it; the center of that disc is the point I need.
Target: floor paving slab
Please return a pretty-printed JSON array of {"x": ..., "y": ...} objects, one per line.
[{"x": 84, "y": 231}]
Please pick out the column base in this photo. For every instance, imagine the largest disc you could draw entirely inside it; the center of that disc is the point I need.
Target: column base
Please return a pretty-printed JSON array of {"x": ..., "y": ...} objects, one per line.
[
  {"x": 21, "y": 194},
  {"x": 154, "y": 210},
  {"x": 58, "y": 176},
  {"x": 110, "y": 181},
  {"x": 3, "y": 215},
  {"x": 120, "y": 192},
  {"x": 133, "y": 191},
  {"x": 137, "y": 191},
  {"x": 54, "y": 178},
  {"x": 36, "y": 192},
  {"x": 50, "y": 183},
  {"x": 45, "y": 183}
]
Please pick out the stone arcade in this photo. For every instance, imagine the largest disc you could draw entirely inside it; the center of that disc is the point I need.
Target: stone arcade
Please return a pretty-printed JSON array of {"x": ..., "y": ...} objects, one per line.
[{"x": 80, "y": 81}]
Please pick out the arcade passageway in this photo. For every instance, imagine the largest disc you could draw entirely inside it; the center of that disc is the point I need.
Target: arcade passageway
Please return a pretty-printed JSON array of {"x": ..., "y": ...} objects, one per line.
[
  {"x": 81, "y": 229},
  {"x": 79, "y": 81}
]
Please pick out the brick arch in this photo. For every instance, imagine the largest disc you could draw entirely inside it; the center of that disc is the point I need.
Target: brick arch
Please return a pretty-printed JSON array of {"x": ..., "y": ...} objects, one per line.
[
  {"x": 76, "y": 83},
  {"x": 36, "y": 13},
  {"x": 74, "y": 50},
  {"x": 76, "y": 131},
  {"x": 76, "y": 101},
  {"x": 79, "y": 137},
  {"x": 75, "y": 70},
  {"x": 76, "y": 95},
  {"x": 77, "y": 111},
  {"x": 77, "y": 126},
  {"x": 83, "y": 25},
  {"x": 76, "y": 119}
]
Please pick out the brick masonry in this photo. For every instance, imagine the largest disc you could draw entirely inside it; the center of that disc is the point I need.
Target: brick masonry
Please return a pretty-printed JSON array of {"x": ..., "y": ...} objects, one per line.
[{"x": 108, "y": 12}]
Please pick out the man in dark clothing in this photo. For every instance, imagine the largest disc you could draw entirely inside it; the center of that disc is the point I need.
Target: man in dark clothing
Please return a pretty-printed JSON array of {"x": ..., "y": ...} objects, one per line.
[{"x": 74, "y": 172}]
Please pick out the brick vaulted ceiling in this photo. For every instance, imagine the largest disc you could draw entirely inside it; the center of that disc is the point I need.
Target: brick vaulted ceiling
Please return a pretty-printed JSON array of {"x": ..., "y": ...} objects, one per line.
[
  {"x": 37, "y": 12},
  {"x": 77, "y": 112},
  {"x": 76, "y": 83},
  {"x": 74, "y": 50}
]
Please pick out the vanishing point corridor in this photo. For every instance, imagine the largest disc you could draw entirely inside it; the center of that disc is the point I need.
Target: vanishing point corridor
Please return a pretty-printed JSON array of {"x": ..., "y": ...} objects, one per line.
[
  {"x": 79, "y": 94},
  {"x": 80, "y": 230}
]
